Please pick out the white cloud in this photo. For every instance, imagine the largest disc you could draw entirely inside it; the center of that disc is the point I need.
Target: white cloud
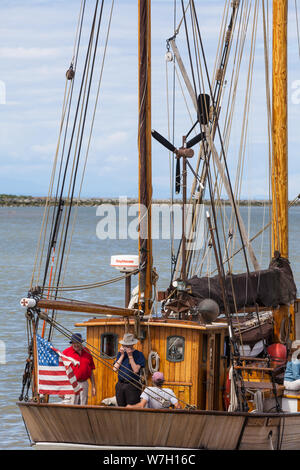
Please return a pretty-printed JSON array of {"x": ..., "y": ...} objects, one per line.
[
  {"x": 44, "y": 150},
  {"x": 22, "y": 53},
  {"x": 116, "y": 159},
  {"x": 36, "y": 41},
  {"x": 111, "y": 141}
]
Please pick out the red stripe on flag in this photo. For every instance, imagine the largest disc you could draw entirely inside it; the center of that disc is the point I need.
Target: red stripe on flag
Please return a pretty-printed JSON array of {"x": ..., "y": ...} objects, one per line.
[
  {"x": 45, "y": 391},
  {"x": 70, "y": 383},
  {"x": 52, "y": 372},
  {"x": 61, "y": 383}
]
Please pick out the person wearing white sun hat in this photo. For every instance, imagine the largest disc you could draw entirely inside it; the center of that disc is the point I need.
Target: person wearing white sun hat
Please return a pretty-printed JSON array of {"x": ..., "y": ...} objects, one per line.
[{"x": 129, "y": 362}]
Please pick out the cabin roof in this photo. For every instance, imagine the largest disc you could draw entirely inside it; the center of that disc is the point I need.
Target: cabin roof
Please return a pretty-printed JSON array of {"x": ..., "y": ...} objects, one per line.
[{"x": 158, "y": 322}]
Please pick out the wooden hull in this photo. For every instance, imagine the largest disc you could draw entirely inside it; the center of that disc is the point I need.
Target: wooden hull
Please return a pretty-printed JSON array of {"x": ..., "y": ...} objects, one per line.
[{"x": 96, "y": 427}]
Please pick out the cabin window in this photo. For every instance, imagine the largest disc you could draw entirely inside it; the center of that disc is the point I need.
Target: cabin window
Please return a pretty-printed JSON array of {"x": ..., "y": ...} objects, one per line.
[
  {"x": 175, "y": 348},
  {"x": 109, "y": 345}
]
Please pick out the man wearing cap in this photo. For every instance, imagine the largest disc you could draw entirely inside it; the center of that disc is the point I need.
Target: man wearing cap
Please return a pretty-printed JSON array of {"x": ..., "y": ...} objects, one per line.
[
  {"x": 292, "y": 371},
  {"x": 156, "y": 396},
  {"x": 129, "y": 362},
  {"x": 83, "y": 371}
]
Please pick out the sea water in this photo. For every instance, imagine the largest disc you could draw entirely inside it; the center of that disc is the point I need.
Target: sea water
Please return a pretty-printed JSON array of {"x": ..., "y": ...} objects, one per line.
[{"x": 89, "y": 261}]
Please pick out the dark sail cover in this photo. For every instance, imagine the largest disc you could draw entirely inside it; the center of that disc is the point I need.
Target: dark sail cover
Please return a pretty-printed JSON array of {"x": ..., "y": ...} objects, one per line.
[{"x": 268, "y": 288}]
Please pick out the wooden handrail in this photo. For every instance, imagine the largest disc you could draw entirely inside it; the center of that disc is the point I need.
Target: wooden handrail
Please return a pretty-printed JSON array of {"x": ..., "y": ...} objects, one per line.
[{"x": 263, "y": 369}]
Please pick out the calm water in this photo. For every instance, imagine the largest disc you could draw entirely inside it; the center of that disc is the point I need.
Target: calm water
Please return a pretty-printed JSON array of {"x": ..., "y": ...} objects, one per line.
[{"x": 89, "y": 262}]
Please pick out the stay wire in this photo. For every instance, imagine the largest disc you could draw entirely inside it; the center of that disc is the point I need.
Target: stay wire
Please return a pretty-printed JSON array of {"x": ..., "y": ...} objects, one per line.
[
  {"x": 87, "y": 59},
  {"x": 65, "y": 104},
  {"x": 126, "y": 370},
  {"x": 225, "y": 163},
  {"x": 218, "y": 93},
  {"x": 234, "y": 345},
  {"x": 80, "y": 143},
  {"x": 189, "y": 48},
  {"x": 75, "y": 60},
  {"x": 221, "y": 140},
  {"x": 234, "y": 204},
  {"x": 92, "y": 285},
  {"x": 90, "y": 137}
]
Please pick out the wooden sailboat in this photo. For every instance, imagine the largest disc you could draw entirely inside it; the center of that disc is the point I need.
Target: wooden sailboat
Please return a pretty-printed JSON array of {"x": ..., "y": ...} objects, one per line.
[{"x": 191, "y": 352}]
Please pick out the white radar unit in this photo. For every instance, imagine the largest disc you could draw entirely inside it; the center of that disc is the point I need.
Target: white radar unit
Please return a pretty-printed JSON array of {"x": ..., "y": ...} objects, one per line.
[{"x": 125, "y": 263}]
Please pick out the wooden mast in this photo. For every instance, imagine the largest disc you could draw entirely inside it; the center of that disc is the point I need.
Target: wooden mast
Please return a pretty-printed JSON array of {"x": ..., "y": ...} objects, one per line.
[
  {"x": 144, "y": 144},
  {"x": 280, "y": 150},
  {"x": 279, "y": 130}
]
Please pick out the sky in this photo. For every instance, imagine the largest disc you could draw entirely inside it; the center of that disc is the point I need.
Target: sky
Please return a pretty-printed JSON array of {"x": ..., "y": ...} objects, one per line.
[{"x": 36, "y": 47}]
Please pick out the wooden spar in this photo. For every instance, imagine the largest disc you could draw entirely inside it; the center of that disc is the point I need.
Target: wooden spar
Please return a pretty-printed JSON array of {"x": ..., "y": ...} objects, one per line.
[
  {"x": 220, "y": 167},
  {"x": 280, "y": 147},
  {"x": 184, "y": 74},
  {"x": 279, "y": 130},
  {"x": 183, "y": 239},
  {"x": 144, "y": 144},
  {"x": 70, "y": 306}
]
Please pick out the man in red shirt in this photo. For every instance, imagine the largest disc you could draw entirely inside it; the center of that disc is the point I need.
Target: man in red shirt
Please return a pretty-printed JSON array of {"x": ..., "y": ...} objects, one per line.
[{"x": 83, "y": 371}]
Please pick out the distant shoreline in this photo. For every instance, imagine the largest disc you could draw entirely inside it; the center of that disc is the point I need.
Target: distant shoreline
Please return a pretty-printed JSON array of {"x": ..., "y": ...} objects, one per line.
[{"x": 7, "y": 200}]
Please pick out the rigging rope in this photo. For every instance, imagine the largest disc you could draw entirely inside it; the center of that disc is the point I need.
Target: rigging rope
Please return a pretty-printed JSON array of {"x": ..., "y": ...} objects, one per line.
[
  {"x": 126, "y": 371},
  {"x": 83, "y": 116},
  {"x": 217, "y": 98},
  {"x": 93, "y": 285},
  {"x": 66, "y": 105},
  {"x": 90, "y": 136},
  {"x": 61, "y": 213},
  {"x": 84, "y": 97}
]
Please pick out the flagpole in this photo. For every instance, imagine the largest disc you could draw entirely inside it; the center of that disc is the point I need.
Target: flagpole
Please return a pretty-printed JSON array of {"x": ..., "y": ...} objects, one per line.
[{"x": 35, "y": 363}]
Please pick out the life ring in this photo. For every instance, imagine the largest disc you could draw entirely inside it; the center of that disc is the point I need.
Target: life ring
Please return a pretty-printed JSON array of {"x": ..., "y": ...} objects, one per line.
[{"x": 153, "y": 355}]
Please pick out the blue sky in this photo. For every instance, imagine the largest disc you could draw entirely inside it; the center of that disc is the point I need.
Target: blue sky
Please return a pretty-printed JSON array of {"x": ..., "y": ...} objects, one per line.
[{"x": 36, "y": 43}]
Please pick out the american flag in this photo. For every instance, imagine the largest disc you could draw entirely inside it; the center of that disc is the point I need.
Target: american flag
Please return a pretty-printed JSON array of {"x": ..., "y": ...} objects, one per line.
[{"x": 55, "y": 374}]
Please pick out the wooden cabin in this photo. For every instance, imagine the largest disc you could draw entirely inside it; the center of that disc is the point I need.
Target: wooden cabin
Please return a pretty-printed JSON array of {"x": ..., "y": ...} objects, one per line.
[{"x": 191, "y": 357}]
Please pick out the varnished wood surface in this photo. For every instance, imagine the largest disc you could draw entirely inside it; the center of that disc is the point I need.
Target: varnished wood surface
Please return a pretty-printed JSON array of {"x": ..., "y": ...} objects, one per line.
[
  {"x": 280, "y": 130},
  {"x": 262, "y": 385},
  {"x": 171, "y": 323},
  {"x": 192, "y": 379},
  {"x": 144, "y": 149},
  {"x": 85, "y": 307},
  {"x": 162, "y": 428},
  {"x": 116, "y": 409},
  {"x": 120, "y": 426}
]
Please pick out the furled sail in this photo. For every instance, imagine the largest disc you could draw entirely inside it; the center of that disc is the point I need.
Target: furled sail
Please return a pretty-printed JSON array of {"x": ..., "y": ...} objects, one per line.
[{"x": 267, "y": 288}]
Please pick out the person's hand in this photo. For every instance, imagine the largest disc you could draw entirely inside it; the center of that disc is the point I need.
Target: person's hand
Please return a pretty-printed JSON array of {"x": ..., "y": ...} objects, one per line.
[
  {"x": 129, "y": 351},
  {"x": 93, "y": 391},
  {"x": 122, "y": 350}
]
